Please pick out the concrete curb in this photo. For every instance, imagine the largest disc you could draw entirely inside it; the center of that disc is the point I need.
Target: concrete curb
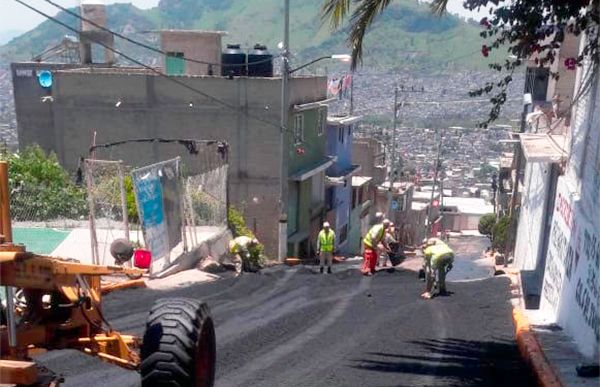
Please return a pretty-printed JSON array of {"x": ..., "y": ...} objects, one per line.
[{"x": 529, "y": 347}]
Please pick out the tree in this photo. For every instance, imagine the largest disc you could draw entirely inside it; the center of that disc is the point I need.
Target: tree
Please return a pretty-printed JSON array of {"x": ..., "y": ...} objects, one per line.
[
  {"x": 486, "y": 224},
  {"x": 500, "y": 233},
  {"x": 40, "y": 188},
  {"x": 525, "y": 27}
]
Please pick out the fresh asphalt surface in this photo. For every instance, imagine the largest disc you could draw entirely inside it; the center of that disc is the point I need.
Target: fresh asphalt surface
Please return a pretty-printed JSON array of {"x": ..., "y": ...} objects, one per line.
[{"x": 293, "y": 327}]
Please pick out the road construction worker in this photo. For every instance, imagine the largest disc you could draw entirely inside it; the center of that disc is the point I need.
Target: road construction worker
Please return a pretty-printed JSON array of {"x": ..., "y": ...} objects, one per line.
[
  {"x": 326, "y": 247},
  {"x": 379, "y": 217},
  {"x": 424, "y": 244},
  {"x": 389, "y": 240},
  {"x": 438, "y": 260},
  {"x": 239, "y": 248},
  {"x": 374, "y": 237}
]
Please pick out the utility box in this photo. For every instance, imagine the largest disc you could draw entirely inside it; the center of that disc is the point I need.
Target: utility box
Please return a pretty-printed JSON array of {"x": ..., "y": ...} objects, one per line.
[{"x": 191, "y": 52}]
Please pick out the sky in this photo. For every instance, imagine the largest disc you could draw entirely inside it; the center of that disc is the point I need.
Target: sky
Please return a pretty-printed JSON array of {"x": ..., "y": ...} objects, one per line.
[{"x": 14, "y": 16}]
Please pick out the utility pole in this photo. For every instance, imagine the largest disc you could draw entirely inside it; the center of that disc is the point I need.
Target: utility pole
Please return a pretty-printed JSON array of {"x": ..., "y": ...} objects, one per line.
[
  {"x": 438, "y": 135},
  {"x": 283, "y": 173},
  {"x": 351, "y": 93},
  {"x": 393, "y": 154}
]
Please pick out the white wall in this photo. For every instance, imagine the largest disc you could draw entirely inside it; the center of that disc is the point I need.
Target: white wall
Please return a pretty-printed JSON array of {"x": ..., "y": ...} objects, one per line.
[
  {"x": 532, "y": 214},
  {"x": 571, "y": 288}
]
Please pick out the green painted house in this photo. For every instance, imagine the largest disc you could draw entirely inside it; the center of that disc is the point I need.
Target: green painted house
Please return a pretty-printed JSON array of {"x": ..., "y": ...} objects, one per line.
[{"x": 308, "y": 162}]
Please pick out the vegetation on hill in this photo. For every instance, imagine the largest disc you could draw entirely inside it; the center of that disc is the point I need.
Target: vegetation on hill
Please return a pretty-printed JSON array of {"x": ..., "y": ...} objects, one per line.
[{"x": 405, "y": 35}]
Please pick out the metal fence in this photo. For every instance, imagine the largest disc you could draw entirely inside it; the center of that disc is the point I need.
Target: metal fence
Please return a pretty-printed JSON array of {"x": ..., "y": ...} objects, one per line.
[{"x": 81, "y": 221}]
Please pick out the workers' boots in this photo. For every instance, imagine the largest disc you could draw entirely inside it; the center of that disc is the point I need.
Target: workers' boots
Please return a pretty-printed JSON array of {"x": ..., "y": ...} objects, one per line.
[
  {"x": 321, "y": 270},
  {"x": 329, "y": 270}
]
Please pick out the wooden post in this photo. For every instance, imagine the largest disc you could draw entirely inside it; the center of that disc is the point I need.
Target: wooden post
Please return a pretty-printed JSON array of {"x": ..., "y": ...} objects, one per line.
[{"x": 5, "y": 226}]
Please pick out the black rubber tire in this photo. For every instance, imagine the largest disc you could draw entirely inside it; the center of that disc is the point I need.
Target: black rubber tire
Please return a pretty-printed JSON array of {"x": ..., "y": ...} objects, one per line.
[{"x": 178, "y": 349}]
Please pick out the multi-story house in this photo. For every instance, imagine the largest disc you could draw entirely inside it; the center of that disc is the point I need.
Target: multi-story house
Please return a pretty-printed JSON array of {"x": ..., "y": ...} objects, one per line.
[{"x": 338, "y": 193}]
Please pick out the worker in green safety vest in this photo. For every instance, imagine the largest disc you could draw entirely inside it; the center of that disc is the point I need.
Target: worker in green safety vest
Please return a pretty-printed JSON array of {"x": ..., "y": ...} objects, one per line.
[
  {"x": 374, "y": 237},
  {"x": 326, "y": 247},
  {"x": 438, "y": 258}
]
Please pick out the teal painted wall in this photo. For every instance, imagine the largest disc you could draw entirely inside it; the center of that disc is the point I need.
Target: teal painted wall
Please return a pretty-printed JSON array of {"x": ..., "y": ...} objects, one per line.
[
  {"x": 304, "y": 205},
  {"x": 293, "y": 204},
  {"x": 314, "y": 145}
]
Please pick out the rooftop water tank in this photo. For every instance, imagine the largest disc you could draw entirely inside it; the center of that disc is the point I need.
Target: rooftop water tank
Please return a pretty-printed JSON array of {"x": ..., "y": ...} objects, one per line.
[
  {"x": 260, "y": 62},
  {"x": 233, "y": 61}
]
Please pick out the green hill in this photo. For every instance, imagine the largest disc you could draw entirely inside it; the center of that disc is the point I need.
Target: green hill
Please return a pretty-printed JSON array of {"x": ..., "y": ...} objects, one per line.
[{"x": 405, "y": 35}]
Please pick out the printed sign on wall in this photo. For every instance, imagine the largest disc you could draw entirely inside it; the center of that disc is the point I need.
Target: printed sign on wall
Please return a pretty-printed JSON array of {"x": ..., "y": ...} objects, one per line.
[
  {"x": 571, "y": 287},
  {"x": 149, "y": 196}
]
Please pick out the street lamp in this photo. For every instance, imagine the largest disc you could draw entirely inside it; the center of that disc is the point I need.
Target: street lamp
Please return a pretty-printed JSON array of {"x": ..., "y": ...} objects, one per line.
[
  {"x": 283, "y": 171},
  {"x": 341, "y": 57}
]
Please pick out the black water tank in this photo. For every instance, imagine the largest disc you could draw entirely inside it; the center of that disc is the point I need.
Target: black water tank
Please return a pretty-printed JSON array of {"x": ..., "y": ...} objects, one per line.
[
  {"x": 233, "y": 61},
  {"x": 260, "y": 62}
]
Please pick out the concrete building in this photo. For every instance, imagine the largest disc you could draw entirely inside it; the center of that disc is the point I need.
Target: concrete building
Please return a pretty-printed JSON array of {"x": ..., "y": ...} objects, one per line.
[
  {"x": 541, "y": 152},
  {"x": 562, "y": 256},
  {"x": 94, "y": 15},
  {"x": 369, "y": 153},
  {"x": 200, "y": 46},
  {"x": 463, "y": 214},
  {"x": 119, "y": 103},
  {"x": 338, "y": 193},
  {"x": 360, "y": 213}
]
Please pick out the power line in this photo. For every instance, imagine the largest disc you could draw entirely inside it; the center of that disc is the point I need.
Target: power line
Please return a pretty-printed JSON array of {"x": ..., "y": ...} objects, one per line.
[
  {"x": 148, "y": 47},
  {"x": 182, "y": 84}
]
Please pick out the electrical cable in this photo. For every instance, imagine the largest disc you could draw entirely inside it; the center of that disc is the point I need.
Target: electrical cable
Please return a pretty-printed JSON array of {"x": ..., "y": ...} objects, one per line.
[
  {"x": 174, "y": 80},
  {"x": 189, "y": 144},
  {"x": 143, "y": 45}
]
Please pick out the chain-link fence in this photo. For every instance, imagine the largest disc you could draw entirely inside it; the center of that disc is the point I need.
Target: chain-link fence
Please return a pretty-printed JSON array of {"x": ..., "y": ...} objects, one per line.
[
  {"x": 81, "y": 216},
  {"x": 107, "y": 207}
]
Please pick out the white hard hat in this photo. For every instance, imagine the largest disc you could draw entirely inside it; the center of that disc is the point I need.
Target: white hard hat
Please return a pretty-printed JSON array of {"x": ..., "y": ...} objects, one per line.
[
  {"x": 326, "y": 224},
  {"x": 386, "y": 222}
]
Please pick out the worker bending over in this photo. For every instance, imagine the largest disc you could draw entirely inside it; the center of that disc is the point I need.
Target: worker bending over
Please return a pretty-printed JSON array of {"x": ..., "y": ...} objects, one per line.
[
  {"x": 326, "y": 247},
  {"x": 374, "y": 237},
  {"x": 438, "y": 258},
  {"x": 239, "y": 248},
  {"x": 390, "y": 240}
]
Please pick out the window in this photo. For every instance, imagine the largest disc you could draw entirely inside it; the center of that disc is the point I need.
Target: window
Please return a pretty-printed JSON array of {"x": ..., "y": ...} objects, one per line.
[
  {"x": 536, "y": 82},
  {"x": 320, "y": 122},
  {"x": 175, "y": 63},
  {"x": 298, "y": 128}
]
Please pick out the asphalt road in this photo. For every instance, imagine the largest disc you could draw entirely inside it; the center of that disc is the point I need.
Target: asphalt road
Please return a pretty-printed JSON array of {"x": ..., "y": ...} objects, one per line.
[{"x": 292, "y": 327}]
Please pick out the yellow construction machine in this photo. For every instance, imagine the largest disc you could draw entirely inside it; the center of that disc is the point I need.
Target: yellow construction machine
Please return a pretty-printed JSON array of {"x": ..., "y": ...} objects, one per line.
[{"x": 53, "y": 303}]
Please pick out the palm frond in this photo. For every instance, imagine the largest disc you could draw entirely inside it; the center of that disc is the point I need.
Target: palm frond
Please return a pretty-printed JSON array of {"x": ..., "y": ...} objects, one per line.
[
  {"x": 362, "y": 18},
  {"x": 439, "y": 7},
  {"x": 335, "y": 11}
]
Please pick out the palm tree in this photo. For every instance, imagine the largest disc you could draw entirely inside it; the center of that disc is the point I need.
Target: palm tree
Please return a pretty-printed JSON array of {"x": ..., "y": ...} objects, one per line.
[{"x": 362, "y": 17}]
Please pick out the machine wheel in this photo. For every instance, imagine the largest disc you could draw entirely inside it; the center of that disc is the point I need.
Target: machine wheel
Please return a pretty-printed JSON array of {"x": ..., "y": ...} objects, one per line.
[{"x": 178, "y": 348}]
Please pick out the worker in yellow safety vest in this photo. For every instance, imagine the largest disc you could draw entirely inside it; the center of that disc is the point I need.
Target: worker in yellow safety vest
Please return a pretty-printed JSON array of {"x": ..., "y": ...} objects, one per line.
[
  {"x": 374, "y": 237},
  {"x": 326, "y": 247},
  {"x": 438, "y": 258}
]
